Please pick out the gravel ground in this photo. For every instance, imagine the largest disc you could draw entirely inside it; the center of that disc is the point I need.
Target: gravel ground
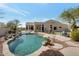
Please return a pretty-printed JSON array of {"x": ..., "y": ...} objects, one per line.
[{"x": 51, "y": 53}]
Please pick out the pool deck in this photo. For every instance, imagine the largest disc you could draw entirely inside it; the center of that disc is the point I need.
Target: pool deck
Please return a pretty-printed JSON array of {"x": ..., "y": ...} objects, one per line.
[
  {"x": 40, "y": 50},
  {"x": 70, "y": 48},
  {"x": 1, "y": 45},
  {"x": 6, "y": 50}
]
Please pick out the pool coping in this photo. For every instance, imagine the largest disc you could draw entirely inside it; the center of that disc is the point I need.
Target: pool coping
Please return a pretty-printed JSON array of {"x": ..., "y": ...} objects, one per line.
[{"x": 6, "y": 50}]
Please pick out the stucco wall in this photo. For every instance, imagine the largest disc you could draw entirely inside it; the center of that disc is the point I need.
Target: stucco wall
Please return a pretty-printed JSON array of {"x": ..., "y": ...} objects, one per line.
[
  {"x": 55, "y": 24},
  {"x": 37, "y": 26}
]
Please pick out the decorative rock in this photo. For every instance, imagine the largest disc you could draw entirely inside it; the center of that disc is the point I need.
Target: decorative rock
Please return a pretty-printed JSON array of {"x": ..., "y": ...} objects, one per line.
[{"x": 51, "y": 53}]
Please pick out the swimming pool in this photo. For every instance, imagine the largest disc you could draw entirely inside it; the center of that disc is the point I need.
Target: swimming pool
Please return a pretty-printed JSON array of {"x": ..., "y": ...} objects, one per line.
[{"x": 26, "y": 44}]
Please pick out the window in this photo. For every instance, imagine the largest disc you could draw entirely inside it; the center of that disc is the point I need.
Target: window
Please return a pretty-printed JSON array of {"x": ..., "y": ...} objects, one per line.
[
  {"x": 60, "y": 27},
  {"x": 55, "y": 28},
  {"x": 50, "y": 26},
  {"x": 31, "y": 28},
  {"x": 42, "y": 28}
]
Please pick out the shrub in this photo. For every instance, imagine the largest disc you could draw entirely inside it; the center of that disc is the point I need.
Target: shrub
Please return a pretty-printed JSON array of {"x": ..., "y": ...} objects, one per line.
[{"x": 75, "y": 35}]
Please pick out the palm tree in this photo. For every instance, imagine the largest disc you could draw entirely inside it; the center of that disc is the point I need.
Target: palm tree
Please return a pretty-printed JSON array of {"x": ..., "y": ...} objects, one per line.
[{"x": 70, "y": 16}]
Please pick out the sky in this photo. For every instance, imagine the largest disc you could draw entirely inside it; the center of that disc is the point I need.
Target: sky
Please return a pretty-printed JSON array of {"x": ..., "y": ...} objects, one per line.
[{"x": 32, "y": 12}]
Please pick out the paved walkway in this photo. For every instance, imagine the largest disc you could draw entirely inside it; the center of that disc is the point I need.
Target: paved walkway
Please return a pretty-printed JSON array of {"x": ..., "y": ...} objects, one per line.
[
  {"x": 72, "y": 49},
  {"x": 1, "y": 45}
]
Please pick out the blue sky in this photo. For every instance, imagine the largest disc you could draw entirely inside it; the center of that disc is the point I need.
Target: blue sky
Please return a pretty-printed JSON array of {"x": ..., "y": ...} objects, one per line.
[{"x": 28, "y": 12}]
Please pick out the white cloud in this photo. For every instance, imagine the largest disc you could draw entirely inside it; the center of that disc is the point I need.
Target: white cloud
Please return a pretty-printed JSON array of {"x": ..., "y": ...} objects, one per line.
[{"x": 10, "y": 9}]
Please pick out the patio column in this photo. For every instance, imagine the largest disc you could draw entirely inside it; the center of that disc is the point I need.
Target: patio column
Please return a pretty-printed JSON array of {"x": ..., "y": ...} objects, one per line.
[
  {"x": 28, "y": 27},
  {"x": 34, "y": 27}
]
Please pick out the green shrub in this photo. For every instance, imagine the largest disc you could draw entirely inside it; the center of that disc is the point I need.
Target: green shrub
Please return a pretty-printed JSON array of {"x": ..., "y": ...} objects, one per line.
[{"x": 75, "y": 35}]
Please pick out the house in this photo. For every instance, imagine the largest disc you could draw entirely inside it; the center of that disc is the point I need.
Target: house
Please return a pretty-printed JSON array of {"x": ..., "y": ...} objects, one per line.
[{"x": 48, "y": 26}]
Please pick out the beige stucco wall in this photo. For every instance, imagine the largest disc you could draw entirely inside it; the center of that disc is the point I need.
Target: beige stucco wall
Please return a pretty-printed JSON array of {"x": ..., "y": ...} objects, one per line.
[
  {"x": 37, "y": 26},
  {"x": 55, "y": 24}
]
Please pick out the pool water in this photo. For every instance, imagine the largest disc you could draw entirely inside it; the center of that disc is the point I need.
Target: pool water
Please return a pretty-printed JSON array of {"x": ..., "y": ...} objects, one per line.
[{"x": 26, "y": 44}]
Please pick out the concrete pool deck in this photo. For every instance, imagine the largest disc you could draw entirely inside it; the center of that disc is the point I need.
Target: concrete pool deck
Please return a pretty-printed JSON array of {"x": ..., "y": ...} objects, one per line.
[
  {"x": 71, "y": 48},
  {"x": 40, "y": 50},
  {"x": 6, "y": 50}
]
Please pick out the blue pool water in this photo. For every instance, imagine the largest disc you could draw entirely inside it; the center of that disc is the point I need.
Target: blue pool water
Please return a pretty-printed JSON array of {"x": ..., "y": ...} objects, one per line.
[{"x": 26, "y": 44}]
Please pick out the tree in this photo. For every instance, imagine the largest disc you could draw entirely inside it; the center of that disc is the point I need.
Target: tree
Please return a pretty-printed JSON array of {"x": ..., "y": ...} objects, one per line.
[
  {"x": 13, "y": 25},
  {"x": 2, "y": 25},
  {"x": 70, "y": 16}
]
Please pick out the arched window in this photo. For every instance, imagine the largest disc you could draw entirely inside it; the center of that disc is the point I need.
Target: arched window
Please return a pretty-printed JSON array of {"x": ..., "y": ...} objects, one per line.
[{"x": 55, "y": 28}]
